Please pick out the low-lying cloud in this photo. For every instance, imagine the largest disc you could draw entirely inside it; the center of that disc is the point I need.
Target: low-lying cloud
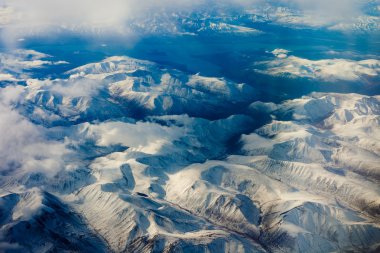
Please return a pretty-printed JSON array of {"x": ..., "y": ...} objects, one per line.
[
  {"x": 145, "y": 137},
  {"x": 15, "y": 64},
  {"x": 24, "y": 148}
]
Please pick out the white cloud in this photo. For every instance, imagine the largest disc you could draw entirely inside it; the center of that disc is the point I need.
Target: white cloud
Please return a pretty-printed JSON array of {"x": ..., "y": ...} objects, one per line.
[
  {"x": 23, "y": 145},
  {"x": 16, "y": 62},
  {"x": 74, "y": 87},
  {"x": 280, "y": 53},
  {"x": 23, "y": 17},
  {"x": 6, "y": 14},
  {"x": 331, "y": 10},
  {"x": 327, "y": 69},
  {"x": 7, "y": 77},
  {"x": 144, "y": 137}
]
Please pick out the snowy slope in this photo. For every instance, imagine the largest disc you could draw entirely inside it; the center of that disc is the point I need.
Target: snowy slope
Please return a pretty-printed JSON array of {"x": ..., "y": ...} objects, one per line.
[
  {"x": 122, "y": 86},
  {"x": 137, "y": 164}
]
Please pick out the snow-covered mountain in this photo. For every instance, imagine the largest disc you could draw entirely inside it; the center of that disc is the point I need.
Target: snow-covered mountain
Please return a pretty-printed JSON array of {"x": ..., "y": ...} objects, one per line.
[
  {"x": 201, "y": 17},
  {"x": 144, "y": 158}
]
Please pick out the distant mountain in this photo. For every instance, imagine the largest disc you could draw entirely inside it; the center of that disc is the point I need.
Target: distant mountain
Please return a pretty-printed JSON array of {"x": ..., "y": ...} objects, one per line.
[{"x": 217, "y": 17}]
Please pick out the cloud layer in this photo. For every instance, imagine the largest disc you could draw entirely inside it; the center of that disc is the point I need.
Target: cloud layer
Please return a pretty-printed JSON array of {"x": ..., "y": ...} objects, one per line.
[{"x": 21, "y": 17}]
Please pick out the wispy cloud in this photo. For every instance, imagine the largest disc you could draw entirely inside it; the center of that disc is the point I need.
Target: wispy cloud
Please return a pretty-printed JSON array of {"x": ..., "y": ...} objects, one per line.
[
  {"x": 144, "y": 137},
  {"x": 24, "y": 147},
  {"x": 16, "y": 62},
  {"x": 331, "y": 10},
  {"x": 20, "y": 17}
]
